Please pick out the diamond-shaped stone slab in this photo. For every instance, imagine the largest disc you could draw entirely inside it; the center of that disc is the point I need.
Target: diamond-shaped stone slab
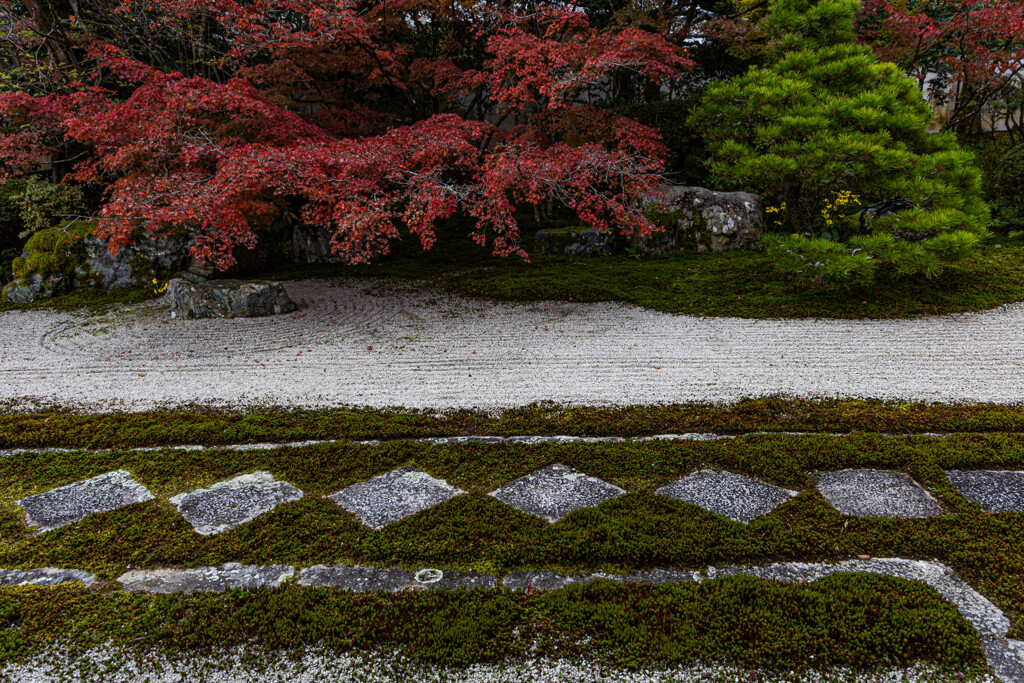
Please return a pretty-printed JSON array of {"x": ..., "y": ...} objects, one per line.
[
  {"x": 74, "y": 502},
  {"x": 394, "y": 496},
  {"x": 876, "y": 493},
  {"x": 994, "y": 491},
  {"x": 234, "y": 502},
  {"x": 555, "y": 491},
  {"x": 739, "y": 498}
]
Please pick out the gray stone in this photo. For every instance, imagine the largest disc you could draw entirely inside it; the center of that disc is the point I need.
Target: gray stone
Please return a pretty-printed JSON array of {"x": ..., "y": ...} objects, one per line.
[
  {"x": 438, "y": 579},
  {"x": 227, "y": 299},
  {"x": 394, "y": 496},
  {"x": 715, "y": 221},
  {"x": 362, "y": 579},
  {"x": 231, "y": 503},
  {"x": 876, "y": 493},
  {"x": 541, "y": 581},
  {"x": 214, "y": 579},
  {"x": 1006, "y": 657},
  {"x": 994, "y": 491},
  {"x": 985, "y": 617},
  {"x": 47, "y": 576},
  {"x": 451, "y": 440},
  {"x": 555, "y": 491},
  {"x": 739, "y": 498},
  {"x": 133, "y": 264},
  {"x": 574, "y": 242},
  {"x": 38, "y": 288},
  {"x": 564, "y": 439},
  {"x": 357, "y": 579},
  {"x": 547, "y": 580},
  {"x": 312, "y": 244},
  {"x": 74, "y": 502}
]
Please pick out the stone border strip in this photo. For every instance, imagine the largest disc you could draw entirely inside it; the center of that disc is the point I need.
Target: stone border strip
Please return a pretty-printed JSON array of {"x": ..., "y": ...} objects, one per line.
[
  {"x": 1005, "y": 656},
  {"x": 451, "y": 440}
]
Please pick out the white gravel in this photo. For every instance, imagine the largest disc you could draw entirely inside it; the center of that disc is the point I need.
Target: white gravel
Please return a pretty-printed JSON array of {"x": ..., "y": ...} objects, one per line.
[
  {"x": 375, "y": 343},
  {"x": 111, "y": 666}
]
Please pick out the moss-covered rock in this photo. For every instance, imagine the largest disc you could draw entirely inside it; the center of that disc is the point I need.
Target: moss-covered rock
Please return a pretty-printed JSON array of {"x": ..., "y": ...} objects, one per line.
[{"x": 49, "y": 263}]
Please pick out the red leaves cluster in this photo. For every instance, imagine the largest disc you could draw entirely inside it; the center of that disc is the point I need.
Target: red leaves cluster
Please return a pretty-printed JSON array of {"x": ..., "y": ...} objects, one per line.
[
  {"x": 967, "y": 51},
  {"x": 208, "y": 156}
]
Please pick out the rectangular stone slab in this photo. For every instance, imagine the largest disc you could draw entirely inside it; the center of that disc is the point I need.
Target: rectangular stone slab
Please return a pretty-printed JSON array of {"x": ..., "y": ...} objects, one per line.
[
  {"x": 72, "y": 503},
  {"x": 214, "y": 579}
]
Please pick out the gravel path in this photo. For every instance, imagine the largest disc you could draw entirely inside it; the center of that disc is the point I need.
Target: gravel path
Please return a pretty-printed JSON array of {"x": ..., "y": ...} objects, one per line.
[{"x": 376, "y": 343}]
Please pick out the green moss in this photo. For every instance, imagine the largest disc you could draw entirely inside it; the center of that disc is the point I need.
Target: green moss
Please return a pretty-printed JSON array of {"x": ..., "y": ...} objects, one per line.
[
  {"x": 54, "y": 252},
  {"x": 204, "y": 425},
  {"x": 844, "y": 620}
]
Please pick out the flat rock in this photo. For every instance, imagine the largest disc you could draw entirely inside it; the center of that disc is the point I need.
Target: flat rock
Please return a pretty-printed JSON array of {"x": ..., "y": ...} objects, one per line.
[
  {"x": 994, "y": 491},
  {"x": 393, "y": 496},
  {"x": 1006, "y": 657},
  {"x": 47, "y": 576},
  {"x": 358, "y": 579},
  {"x": 555, "y": 491},
  {"x": 74, "y": 502},
  {"x": 215, "y": 579},
  {"x": 234, "y": 502},
  {"x": 548, "y": 580},
  {"x": 876, "y": 493},
  {"x": 227, "y": 299},
  {"x": 985, "y": 617},
  {"x": 735, "y": 496},
  {"x": 361, "y": 579}
]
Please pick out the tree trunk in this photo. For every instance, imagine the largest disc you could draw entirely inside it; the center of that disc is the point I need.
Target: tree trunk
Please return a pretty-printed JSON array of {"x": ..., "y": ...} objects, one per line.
[{"x": 47, "y": 24}]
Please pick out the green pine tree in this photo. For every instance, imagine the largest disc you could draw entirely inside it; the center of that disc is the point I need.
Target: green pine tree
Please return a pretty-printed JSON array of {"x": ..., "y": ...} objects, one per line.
[{"x": 838, "y": 144}]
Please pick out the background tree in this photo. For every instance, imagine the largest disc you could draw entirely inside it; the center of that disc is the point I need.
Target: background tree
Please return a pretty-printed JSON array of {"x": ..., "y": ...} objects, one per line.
[
  {"x": 369, "y": 119},
  {"x": 838, "y": 142}
]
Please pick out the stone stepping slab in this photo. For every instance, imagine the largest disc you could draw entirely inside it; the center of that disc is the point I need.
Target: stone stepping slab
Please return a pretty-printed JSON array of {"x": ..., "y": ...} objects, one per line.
[
  {"x": 393, "y": 496},
  {"x": 555, "y": 491},
  {"x": 876, "y": 493},
  {"x": 992, "y": 490},
  {"x": 215, "y": 579},
  {"x": 72, "y": 503},
  {"x": 361, "y": 579},
  {"x": 741, "y": 499},
  {"x": 987, "y": 619},
  {"x": 547, "y": 581},
  {"x": 46, "y": 576},
  {"x": 231, "y": 503}
]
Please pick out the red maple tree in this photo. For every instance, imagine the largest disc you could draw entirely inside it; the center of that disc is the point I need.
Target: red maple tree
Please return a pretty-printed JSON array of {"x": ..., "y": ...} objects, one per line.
[{"x": 372, "y": 117}]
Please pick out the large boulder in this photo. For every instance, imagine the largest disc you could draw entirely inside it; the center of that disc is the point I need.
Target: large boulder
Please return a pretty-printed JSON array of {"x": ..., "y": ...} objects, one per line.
[
  {"x": 35, "y": 288},
  {"x": 227, "y": 299},
  {"x": 135, "y": 264},
  {"x": 714, "y": 221},
  {"x": 693, "y": 218}
]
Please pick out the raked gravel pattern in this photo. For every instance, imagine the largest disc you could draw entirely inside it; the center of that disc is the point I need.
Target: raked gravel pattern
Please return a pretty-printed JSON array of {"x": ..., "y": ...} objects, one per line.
[
  {"x": 236, "y": 666},
  {"x": 382, "y": 343}
]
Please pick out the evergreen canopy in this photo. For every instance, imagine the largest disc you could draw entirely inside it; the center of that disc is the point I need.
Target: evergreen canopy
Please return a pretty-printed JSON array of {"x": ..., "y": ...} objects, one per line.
[{"x": 839, "y": 142}]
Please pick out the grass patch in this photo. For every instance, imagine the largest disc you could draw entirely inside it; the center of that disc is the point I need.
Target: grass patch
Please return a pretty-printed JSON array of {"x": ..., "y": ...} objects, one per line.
[
  {"x": 92, "y": 300},
  {"x": 843, "y": 620},
  {"x": 213, "y": 427}
]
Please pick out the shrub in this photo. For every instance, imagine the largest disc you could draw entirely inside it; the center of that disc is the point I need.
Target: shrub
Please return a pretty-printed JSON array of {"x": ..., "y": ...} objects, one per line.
[
  {"x": 826, "y": 120},
  {"x": 42, "y": 203},
  {"x": 54, "y": 252}
]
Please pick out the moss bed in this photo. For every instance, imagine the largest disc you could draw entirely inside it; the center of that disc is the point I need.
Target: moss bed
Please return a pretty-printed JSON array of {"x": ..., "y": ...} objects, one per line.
[
  {"x": 737, "y": 283},
  {"x": 845, "y": 620},
  {"x": 207, "y": 426}
]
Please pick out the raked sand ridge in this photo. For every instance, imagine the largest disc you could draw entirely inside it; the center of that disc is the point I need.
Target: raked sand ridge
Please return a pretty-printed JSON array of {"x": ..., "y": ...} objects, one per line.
[{"x": 375, "y": 343}]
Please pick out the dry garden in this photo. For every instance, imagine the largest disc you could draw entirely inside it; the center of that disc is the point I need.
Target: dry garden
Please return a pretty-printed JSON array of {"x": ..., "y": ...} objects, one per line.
[{"x": 222, "y": 223}]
